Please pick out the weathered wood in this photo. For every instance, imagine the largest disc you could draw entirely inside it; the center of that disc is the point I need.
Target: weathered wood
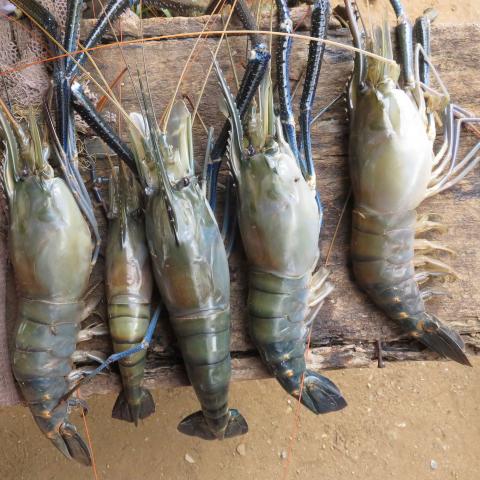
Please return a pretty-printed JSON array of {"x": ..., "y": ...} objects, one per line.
[
  {"x": 129, "y": 26},
  {"x": 347, "y": 327},
  {"x": 8, "y": 391}
]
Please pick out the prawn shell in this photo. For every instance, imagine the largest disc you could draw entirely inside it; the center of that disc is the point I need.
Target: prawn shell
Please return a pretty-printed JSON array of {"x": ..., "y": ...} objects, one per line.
[
  {"x": 390, "y": 153},
  {"x": 51, "y": 250}
]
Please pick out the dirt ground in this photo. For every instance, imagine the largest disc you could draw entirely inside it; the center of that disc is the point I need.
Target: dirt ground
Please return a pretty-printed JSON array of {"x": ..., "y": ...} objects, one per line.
[
  {"x": 407, "y": 421},
  {"x": 449, "y": 11}
]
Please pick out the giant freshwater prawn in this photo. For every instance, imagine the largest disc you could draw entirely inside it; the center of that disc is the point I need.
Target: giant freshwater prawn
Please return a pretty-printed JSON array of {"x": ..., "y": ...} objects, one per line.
[{"x": 188, "y": 256}]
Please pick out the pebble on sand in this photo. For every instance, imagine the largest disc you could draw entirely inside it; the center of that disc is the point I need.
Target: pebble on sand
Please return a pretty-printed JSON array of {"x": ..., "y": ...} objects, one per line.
[
  {"x": 189, "y": 458},
  {"x": 242, "y": 449}
]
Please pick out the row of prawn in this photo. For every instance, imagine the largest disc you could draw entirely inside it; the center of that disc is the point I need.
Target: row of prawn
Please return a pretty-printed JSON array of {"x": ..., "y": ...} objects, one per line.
[{"x": 166, "y": 226}]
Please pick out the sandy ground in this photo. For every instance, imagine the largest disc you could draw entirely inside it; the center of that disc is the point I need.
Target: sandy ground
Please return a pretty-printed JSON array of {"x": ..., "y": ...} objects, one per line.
[
  {"x": 449, "y": 11},
  {"x": 409, "y": 421}
]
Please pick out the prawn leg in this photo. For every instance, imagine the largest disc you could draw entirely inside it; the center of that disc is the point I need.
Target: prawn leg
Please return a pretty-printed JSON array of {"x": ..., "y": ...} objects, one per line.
[
  {"x": 284, "y": 48},
  {"x": 257, "y": 66},
  {"x": 404, "y": 32},
  {"x": 320, "y": 17}
]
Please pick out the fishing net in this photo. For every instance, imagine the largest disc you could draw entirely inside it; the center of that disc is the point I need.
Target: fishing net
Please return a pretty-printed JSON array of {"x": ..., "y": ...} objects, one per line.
[{"x": 24, "y": 80}]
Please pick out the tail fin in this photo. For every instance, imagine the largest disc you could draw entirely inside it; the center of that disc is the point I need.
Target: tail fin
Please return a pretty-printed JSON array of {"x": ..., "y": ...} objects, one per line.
[
  {"x": 443, "y": 340},
  {"x": 71, "y": 444},
  {"x": 320, "y": 394},
  {"x": 195, "y": 425},
  {"x": 132, "y": 412}
]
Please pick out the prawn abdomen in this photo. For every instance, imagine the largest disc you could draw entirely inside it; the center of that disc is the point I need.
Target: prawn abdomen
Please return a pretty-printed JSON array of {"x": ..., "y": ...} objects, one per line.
[
  {"x": 129, "y": 316},
  {"x": 44, "y": 343},
  {"x": 383, "y": 263},
  {"x": 277, "y": 307},
  {"x": 204, "y": 339}
]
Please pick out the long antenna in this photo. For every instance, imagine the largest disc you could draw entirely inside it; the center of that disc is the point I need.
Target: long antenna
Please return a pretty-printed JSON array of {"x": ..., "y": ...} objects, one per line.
[
  {"x": 210, "y": 33},
  {"x": 218, "y": 6},
  {"x": 222, "y": 34}
]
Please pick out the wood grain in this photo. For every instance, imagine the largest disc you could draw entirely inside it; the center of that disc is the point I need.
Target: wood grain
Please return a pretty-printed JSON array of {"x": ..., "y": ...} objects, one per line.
[
  {"x": 8, "y": 391},
  {"x": 129, "y": 26},
  {"x": 348, "y": 326}
]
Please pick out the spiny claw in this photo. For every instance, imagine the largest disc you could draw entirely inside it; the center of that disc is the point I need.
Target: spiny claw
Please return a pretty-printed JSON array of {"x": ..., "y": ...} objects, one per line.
[{"x": 430, "y": 246}]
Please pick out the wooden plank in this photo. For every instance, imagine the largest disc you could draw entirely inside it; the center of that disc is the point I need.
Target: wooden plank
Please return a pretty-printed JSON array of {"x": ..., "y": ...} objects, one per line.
[
  {"x": 346, "y": 329},
  {"x": 129, "y": 26},
  {"x": 8, "y": 391}
]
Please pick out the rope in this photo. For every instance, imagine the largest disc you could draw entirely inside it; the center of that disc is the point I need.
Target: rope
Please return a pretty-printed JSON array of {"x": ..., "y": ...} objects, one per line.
[
  {"x": 89, "y": 441},
  {"x": 296, "y": 420}
]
